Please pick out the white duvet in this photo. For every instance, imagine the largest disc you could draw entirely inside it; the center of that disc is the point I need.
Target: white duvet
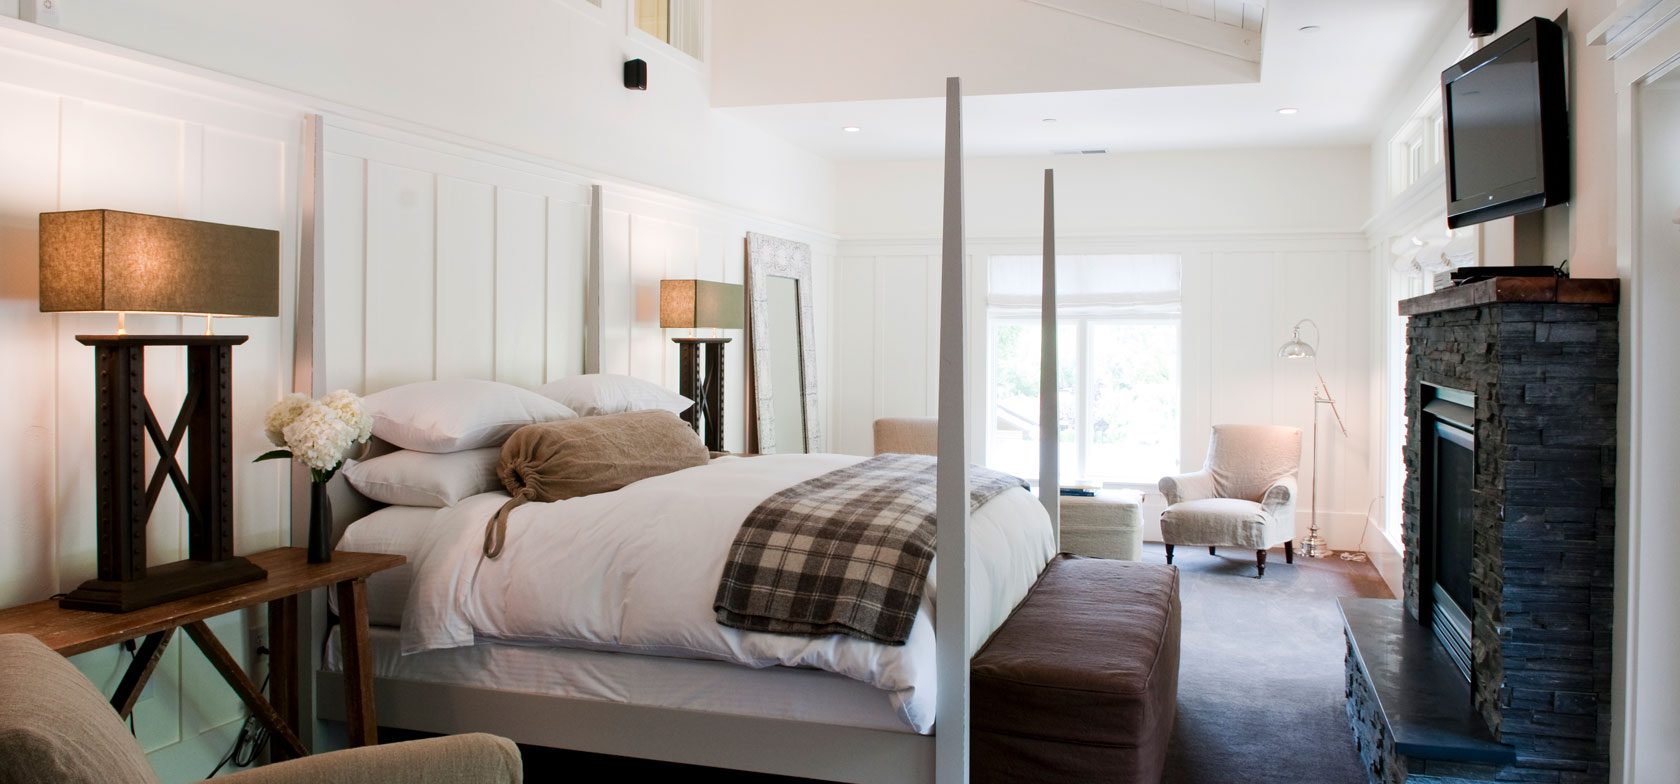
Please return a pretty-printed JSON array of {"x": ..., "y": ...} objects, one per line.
[{"x": 637, "y": 569}]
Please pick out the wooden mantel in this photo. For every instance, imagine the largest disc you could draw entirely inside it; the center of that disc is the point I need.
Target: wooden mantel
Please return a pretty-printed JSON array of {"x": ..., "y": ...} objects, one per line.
[{"x": 1572, "y": 291}]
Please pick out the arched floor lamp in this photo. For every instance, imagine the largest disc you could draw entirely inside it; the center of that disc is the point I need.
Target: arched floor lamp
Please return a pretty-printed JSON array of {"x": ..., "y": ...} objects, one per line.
[{"x": 1296, "y": 348}]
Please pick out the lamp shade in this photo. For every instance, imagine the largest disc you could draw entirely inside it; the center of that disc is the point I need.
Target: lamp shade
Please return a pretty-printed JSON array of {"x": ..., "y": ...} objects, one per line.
[
  {"x": 106, "y": 260},
  {"x": 701, "y": 304},
  {"x": 1295, "y": 347}
]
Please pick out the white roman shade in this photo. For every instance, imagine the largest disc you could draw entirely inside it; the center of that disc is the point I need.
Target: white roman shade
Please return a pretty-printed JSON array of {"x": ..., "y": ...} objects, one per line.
[{"x": 1107, "y": 286}]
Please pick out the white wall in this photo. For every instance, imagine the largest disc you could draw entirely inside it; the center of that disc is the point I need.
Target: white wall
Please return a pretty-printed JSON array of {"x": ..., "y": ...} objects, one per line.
[
  {"x": 1648, "y": 623},
  {"x": 1194, "y": 192},
  {"x": 81, "y": 131},
  {"x": 537, "y": 76},
  {"x": 1266, "y": 238},
  {"x": 443, "y": 262}
]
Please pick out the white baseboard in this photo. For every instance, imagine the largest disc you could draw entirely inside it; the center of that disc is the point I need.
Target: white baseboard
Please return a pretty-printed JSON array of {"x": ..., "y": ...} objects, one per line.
[
  {"x": 1340, "y": 529},
  {"x": 1386, "y": 557}
]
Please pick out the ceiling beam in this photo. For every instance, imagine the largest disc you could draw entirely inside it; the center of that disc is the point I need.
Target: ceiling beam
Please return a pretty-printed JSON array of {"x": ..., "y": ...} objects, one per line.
[{"x": 1176, "y": 26}]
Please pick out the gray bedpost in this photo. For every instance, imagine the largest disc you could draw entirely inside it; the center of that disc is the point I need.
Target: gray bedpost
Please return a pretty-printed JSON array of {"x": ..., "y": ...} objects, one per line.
[
  {"x": 951, "y": 523},
  {"x": 1049, "y": 468}
]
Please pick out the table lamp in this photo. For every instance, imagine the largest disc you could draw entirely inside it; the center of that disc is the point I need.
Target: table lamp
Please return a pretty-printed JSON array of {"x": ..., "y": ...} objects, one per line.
[
  {"x": 695, "y": 305},
  {"x": 1296, "y": 348},
  {"x": 123, "y": 262}
]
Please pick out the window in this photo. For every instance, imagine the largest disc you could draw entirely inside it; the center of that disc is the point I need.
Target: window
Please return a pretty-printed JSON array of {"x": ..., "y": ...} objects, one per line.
[
  {"x": 1117, "y": 382},
  {"x": 1417, "y": 148},
  {"x": 676, "y": 22}
]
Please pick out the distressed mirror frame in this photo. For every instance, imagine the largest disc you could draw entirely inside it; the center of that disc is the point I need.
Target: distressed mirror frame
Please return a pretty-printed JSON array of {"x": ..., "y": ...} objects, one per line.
[{"x": 769, "y": 256}]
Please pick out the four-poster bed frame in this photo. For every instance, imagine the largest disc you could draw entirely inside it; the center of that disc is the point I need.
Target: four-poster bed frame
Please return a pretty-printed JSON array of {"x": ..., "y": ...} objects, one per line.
[{"x": 796, "y": 748}]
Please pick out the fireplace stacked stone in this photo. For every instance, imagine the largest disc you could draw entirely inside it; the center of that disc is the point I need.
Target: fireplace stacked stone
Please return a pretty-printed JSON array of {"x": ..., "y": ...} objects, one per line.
[{"x": 1544, "y": 375}]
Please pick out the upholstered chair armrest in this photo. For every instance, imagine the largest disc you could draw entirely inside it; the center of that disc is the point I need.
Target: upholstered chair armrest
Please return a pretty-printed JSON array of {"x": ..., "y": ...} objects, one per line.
[
  {"x": 450, "y": 759},
  {"x": 1188, "y": 487},
  {"x": 1280, "y": 496}
]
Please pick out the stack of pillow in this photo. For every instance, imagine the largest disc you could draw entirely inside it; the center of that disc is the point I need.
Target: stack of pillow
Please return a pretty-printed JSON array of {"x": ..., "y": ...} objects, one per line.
[{"x": 449, "y": 434}]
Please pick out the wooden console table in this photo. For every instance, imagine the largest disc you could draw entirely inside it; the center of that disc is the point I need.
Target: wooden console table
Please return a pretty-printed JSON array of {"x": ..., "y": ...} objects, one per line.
[{"x": 70, "y": 632}]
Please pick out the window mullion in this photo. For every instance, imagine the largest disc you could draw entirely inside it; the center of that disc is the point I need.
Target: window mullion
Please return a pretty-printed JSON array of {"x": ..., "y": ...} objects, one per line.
[{"x": 1084, "y": 387}]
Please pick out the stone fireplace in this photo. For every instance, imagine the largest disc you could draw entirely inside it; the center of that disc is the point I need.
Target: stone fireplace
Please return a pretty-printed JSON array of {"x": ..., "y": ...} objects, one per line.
[{"x": 1495, "y": 665}]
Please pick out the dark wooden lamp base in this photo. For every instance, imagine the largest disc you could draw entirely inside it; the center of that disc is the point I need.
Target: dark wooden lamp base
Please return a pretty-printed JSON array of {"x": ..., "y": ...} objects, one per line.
[
  {"x": 125, "y": 422},
  {"x": 162, "y": 584},
  {"x": 706, "y": 417}
]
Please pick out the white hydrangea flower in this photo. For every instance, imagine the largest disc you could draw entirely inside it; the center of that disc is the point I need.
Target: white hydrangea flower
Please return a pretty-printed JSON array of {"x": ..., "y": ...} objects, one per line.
[
  {"x": 318, "y": 437},
  {"x": 281, "y": 415},
  {"x": 349, "y": 406}
]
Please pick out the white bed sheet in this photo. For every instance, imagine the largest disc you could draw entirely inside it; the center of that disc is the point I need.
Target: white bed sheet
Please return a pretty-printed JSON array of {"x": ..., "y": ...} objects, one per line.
[
  {"x": 587, "y": 565},
  {"x": 781, "y": 693},
  {"x": 397, "y": 530}
]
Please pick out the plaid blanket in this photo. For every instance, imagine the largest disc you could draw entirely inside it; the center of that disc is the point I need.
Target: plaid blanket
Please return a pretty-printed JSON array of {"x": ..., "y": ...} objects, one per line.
[{"x": 845, "y": 553}]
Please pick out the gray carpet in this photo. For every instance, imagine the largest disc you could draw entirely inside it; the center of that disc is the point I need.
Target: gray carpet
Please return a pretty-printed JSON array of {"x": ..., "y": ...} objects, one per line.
[{"x": 1260, "y": 676}]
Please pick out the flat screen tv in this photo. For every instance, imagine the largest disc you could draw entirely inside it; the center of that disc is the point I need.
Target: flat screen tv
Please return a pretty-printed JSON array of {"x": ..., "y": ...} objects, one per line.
[{"x": 1507, "y": 126}]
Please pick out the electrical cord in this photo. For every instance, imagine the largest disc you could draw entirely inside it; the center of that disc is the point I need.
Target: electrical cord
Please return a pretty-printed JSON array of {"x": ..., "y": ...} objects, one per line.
[
  {"x": 1358, "y": 553},
  {"x": 253, "y": 736}
]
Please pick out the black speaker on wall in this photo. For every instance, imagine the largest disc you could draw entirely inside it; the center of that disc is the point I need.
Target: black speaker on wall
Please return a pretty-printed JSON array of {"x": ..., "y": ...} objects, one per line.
[
  {"x": 635, "y": 74},
  {"x": 1484, "y": 17}
]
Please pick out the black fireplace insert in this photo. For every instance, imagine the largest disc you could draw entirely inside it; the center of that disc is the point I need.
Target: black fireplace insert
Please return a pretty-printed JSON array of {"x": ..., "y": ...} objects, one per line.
[{"x": 1448, "y": 505}]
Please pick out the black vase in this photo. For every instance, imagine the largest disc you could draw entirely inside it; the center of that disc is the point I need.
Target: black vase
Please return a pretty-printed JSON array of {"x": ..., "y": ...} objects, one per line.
[{"x": 320, "y": 523}]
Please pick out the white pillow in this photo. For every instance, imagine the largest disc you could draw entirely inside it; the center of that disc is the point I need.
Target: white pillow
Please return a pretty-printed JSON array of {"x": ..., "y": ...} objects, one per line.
[
  {"x": 596, "y": 394},
  {"x": 410, "y": 478},
  {"x": 453, "y": 416}
]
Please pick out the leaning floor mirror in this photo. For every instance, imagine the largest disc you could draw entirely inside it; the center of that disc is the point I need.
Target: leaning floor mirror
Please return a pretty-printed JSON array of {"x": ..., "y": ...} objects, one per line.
[{"x": 784, "y": 384}]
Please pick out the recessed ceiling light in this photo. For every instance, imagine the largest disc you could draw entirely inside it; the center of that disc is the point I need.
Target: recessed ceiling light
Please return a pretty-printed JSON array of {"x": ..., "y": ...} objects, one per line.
[
  {"x": 1309, "y": 28},
  {"x": 1289, "y": 110},
  {"x": 1048, "y": 120},
  {"x": 852, "y": 129}
]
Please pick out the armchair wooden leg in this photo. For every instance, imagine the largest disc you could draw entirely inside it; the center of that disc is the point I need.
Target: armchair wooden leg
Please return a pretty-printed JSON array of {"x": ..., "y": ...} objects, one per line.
[
  {"x": 1169, "y": 553},
  {"x": 1213, "y": 551},
  {"x": 1260, "y": 562},
  {"x": 1289, "y": 551}
]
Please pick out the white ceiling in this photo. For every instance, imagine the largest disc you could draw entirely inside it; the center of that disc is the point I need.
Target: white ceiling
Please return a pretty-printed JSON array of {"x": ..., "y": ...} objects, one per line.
[{"x": 1338, "y": 76}]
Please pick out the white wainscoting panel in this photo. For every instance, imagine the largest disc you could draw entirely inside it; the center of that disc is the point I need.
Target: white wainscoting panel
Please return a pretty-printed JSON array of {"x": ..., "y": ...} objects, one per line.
[
  {"x": 444, "y": 261},
  {"x": 466, "y": 246},
  {"x": 1241, "y": 295},
  {"x": 86, "y": 130}
]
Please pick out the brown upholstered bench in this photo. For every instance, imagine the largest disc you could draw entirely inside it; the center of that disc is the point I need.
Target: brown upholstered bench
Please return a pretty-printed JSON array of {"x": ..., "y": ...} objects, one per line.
[{"x": 1080, "y": 683}]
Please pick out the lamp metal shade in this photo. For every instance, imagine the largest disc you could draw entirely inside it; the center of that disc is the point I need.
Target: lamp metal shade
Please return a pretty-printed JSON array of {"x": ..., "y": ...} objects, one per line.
[
  {"x": 107, "y": 260},
  {"x": 701, "y": 304},
  {"x": 1297, "y": 348}
]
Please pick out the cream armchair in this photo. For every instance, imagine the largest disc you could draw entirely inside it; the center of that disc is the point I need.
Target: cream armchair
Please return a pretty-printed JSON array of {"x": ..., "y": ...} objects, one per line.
[
  {"x": 1244, "y": 496},
  {"x": 56, "y": 728}
]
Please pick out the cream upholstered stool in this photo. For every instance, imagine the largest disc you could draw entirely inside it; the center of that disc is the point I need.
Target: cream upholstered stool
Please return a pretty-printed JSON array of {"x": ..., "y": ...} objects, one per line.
[
  {"x": 907, "y": 436},
  {"x": 1106, "y": 525}
]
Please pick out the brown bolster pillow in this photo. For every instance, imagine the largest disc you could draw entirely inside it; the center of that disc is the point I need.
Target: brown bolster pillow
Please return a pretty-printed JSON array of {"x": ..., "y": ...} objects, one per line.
[{"x": 554, "y": 461}]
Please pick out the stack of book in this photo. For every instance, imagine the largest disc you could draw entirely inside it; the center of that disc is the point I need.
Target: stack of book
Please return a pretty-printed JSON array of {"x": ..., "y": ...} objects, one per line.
[{"x": 1080, "y": 490}]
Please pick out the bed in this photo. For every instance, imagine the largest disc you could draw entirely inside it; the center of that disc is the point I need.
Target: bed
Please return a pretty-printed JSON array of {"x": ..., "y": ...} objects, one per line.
[
  {"x": 608, "y": 599},
  {"x": 606, "y": 678}
]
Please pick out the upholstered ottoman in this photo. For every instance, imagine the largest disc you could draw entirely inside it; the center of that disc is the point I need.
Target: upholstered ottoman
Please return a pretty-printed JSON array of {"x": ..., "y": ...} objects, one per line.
[
  {"x": 1080, "y": 683},
  {"x": 1106, "y": 525}
]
